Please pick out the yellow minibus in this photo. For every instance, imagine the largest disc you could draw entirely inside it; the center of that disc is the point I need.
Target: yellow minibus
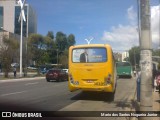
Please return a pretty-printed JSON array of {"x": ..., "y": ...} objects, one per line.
[{"x": 92, "y": 68}]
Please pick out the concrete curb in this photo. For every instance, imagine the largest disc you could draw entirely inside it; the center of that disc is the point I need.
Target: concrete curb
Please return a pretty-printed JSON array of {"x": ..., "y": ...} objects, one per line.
[
  {"x": 21, "y": 79},
  {"x": 132, "y": 108}
]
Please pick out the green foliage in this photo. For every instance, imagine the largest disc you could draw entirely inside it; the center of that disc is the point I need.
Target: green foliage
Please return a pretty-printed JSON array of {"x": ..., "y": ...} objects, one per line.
[
  {"x": 36, "y": 47},
  {"x": 64, "y": 60},
  {"x": 134, "y": 55},
  {"x": 126, "y": 59},
  {"x": 50, "y": 34},
  {"x": 61, "y": 41},
  {"x": 159, "y": 66},
  {"x": 8, "y": 50},
  {"x": 48, "y": 42},
  {"x": 71, "y": 40},
  {"x": 46, "y": 49},
  {"x": 156, "y": 52},
  {"x": 50, "y": 50}
]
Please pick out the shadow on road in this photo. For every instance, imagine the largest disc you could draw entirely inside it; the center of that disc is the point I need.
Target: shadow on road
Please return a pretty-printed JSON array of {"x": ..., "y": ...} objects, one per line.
[
  {"x": 53, "y": 80},
  {"x": 123, "y": 103},
  {"x": 94, "y": 96},
  {"x": 158, "y": 101},
  {"x": 10, "y": 106},
  {"x": 135, "y": 105}
]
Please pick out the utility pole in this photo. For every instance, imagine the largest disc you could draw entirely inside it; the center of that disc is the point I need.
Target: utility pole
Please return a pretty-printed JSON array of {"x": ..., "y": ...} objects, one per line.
[
  {"x": 145, "y": 59},
  {"x": 135, "y": 60}
]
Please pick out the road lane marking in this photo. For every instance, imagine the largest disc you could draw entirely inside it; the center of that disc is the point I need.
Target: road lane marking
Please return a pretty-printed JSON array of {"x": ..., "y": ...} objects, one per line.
[
  {"x": 33, "y": 83},
  {"x": 13, "y": 93}
]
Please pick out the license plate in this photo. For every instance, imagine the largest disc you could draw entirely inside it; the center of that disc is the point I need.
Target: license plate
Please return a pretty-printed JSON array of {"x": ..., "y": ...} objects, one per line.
[{"x": 89, "y": 81}]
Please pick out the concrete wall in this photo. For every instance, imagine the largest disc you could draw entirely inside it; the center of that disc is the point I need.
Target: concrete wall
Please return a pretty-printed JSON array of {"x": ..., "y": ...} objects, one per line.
[{"x": 8, "y": 18}]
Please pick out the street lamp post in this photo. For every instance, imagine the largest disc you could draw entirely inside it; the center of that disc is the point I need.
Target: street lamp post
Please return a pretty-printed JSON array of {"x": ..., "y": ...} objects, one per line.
[
  {"x": 89, "y": 40},
  {"x": 135, "y": 59},
  {"x": 21, "y": 47},
  {"x": 22, "y": 17},
  {"x": 58, "y": 51},
  {"x": 57, "y": 57}
]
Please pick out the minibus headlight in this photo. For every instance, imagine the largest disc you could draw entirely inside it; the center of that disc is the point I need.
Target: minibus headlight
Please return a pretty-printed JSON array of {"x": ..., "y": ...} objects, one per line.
[
  {"x": 76, "y": 83},
  {"x": 71, "y": 78},
  {"x": 72, "y": 81}
]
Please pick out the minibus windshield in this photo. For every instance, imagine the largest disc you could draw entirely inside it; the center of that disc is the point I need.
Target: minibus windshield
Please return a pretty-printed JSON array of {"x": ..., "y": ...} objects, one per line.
[{"x": 89, "y": 55}]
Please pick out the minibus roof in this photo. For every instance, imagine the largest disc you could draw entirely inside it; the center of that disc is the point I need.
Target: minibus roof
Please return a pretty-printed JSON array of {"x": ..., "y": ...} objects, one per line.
[{"x": 92, "y": 45}]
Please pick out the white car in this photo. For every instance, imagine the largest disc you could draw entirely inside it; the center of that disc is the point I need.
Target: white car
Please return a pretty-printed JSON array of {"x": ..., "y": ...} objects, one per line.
[
  {"x": 15, "y": 65},
  {"x": 32, "y": 67},
  {"x": 66, "y": 70}
]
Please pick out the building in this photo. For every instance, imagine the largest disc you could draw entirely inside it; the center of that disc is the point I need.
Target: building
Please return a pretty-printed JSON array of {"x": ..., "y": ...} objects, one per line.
[
  {"x": 9, "y": 16},
  {"x": 10, "y": 27},
  {"x": 13, "y": 36},
  {"x": 124, "y": 56},
  {"x": 118, "y": 56}
]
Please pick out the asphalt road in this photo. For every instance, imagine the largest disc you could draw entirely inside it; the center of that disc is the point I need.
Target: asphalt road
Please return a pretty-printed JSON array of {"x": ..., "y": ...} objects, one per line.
[{"x": 33, "y": 95}]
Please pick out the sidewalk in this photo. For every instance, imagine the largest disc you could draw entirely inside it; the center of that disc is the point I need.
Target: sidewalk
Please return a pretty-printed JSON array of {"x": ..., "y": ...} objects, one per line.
[
  {"x": 30, "y": 76},
  {"x": 135, "y": 105},
  {"x": 156, "y": 101},
  {"x": 11, "y": 73},
  {"x": 21, "y": 79}
]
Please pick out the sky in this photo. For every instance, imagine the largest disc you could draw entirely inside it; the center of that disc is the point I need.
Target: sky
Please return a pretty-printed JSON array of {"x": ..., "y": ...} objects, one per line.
[{"x": 111, "y": 22}]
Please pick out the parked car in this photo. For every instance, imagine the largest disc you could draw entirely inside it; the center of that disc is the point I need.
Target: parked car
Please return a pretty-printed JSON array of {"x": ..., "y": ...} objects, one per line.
[
  {"x": 32, "y": 67},
  {"x": 44, "y": 68},
  {"x": 56, "y": 74},
  {"x": 43, "y": 71},
  {"x": 14, "y": 65},
  {"x": 66, "y": 70}
]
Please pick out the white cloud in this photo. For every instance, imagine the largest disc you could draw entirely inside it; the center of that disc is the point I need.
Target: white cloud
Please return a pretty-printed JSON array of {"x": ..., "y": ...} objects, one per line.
[
  {"x": 155, "y": 25},
  {"x": 123, "y": 37},
  {"x": 132, "y": 15},
  {"x": 121, "y": 33}
]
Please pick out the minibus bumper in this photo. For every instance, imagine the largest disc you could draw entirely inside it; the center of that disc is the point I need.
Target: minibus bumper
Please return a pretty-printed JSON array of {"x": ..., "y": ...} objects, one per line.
[{"x": 107, "y": 88}]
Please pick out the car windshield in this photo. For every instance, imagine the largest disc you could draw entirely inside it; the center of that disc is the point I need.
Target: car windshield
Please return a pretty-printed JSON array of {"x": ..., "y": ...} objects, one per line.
[{"x": 91, "y": 55}]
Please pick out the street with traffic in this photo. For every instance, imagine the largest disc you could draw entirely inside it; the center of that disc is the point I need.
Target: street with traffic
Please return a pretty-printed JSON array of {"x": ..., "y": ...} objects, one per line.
[{"x": 36, "y": 94}]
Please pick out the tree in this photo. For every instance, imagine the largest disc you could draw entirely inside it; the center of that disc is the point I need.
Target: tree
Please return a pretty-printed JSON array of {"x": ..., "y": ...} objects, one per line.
[
  {"x": 50, "y": 34},
  {"x": 63, "y": 59},
  {"x": 126, "y": 59},
  {"x": 61, "y": 41},
  {"x": 134, "y": 55},
  {"x": 37, "y": 48},
  {"x": 51, "y": 51},
  {"x": 48, "y": 42},
  {"x": 44, "y": 49},
  {"x": 156, "y": 52},
  {"x": 71, "y": 40},
  {"x": 8, "y": 51}
]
